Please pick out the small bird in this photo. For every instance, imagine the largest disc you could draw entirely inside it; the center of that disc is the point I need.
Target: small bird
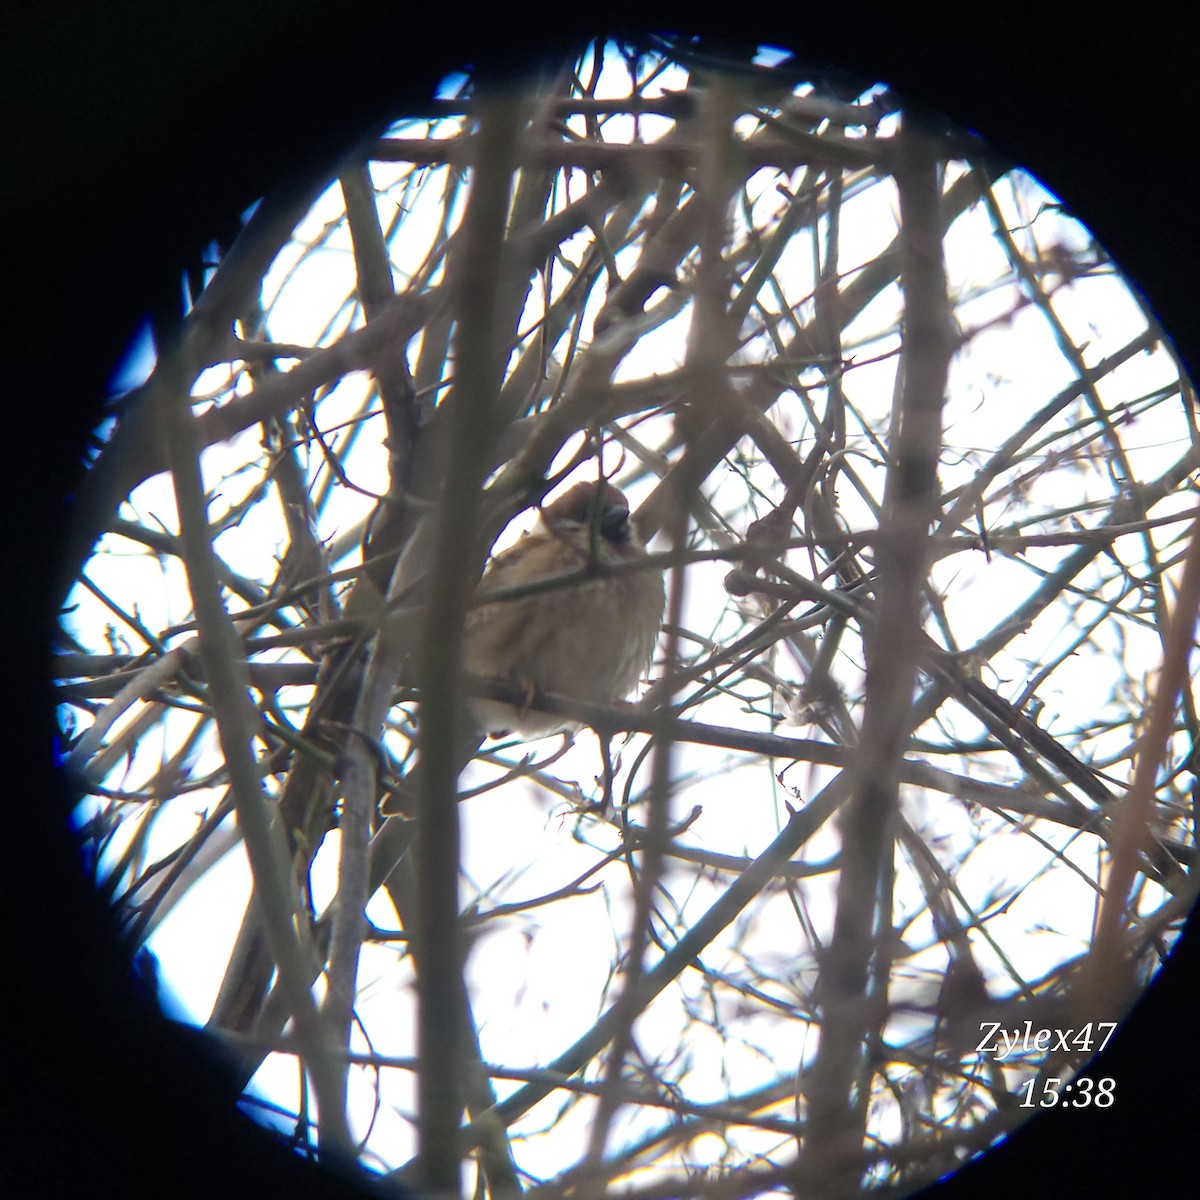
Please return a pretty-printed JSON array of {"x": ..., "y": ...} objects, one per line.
[{"x": 590, "y": 639}]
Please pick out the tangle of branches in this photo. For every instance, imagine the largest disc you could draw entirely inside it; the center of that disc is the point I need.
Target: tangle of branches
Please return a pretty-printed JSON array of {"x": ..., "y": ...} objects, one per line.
[{"x": 915, "y": 758}]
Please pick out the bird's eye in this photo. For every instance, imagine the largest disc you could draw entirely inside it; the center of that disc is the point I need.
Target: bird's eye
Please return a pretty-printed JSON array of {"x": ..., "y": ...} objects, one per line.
[{"x": 614, "y": 524}]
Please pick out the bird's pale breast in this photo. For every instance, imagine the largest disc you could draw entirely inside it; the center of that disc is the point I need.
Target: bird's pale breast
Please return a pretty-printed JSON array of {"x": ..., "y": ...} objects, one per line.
[{"x": 590, "y": 640}]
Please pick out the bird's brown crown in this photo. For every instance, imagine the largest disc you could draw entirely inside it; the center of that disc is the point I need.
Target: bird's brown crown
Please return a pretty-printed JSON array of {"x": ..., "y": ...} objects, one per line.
[{"x": 588, "y": 502}]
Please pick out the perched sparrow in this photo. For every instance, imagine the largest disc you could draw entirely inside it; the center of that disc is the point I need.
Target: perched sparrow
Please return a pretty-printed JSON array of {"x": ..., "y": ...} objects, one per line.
[{"x": 590, "y": 639}]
